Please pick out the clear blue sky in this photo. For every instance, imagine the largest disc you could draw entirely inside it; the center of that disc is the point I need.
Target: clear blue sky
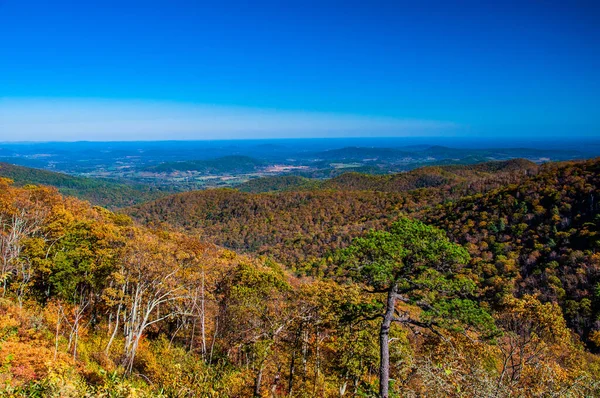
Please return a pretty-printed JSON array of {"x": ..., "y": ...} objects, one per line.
[{"x": 93, "y": 69}]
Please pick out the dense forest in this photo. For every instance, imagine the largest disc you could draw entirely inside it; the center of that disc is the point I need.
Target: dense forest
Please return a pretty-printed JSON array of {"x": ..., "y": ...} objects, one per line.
[
  {"x": 470, "y": 281},
  {"x": 294, "y": 227},
  {"x": 298, "y": 226},
  {"x": 540, "y": 236},
  {"x": 424, "y": 177},
  {"x": 278, "y": 183}
]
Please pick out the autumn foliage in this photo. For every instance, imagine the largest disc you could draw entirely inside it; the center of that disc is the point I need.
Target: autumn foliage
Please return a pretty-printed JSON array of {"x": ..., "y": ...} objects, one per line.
[{"x": 502, "y": 301}]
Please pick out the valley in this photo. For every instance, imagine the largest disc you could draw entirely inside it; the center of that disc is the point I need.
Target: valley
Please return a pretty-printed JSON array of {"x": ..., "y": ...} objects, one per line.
[
  {"x": 237, "y": 284},
  {"x": 184, "y": 166}
]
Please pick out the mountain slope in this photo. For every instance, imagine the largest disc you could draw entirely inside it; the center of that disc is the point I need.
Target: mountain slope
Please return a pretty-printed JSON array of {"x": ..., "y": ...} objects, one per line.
[
  {"x": 290, "y": 226},
  {"x": 278, "y": 183},
  {"x": 539, "y": 236},
  {"x": 94, "y": 305},
  {"x": 424, "y": 177},
  {"x": 296, "y": 227},
  {"x": 98, "y": 192},
  {"x": 429, "y": 177},
  {"x": 528, "y": 230}
]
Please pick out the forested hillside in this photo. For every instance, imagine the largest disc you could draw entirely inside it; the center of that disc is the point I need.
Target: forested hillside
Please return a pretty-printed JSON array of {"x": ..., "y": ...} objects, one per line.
[
  {"x": 536, "y": 234},
  {"x": 425, "y": 177},
  {"x": 299, "y": 225},
  {"x": 457, "y": 176},
  {"x": 105, "y": 193},
  {"x": 278, "y": 183},
  {"x": 293, "y": 227},
  {"x": 540, "y": 236},
  {"x": 95, "y": 305}
]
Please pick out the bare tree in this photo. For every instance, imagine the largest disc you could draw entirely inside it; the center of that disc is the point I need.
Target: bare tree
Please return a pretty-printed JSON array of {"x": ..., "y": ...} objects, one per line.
[
  {"x": 15, "y": 229},
  {"x": 150, "y": 286}
]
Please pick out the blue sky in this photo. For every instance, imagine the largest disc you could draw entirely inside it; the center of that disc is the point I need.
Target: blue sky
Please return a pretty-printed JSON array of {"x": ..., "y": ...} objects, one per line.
[{"x": 179, "y": 69}]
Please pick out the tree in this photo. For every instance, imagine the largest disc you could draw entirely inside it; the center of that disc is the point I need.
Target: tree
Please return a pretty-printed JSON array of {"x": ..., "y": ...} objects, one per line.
[
  {"x": 151, "y": 284},
  {"x": 415, "y": 264},
  {"x": 16, "y": 228},
  {"x": 255, "y": 313},
  {"x": 535, "y": 334}
]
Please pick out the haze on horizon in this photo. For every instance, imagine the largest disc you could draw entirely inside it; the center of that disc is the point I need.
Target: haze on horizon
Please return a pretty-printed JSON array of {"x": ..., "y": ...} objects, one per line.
[{"x": 157, "y": 70}]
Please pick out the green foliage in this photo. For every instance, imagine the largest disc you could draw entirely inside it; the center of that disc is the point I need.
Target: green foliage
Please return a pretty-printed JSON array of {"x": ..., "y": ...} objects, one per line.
[
  {"x": 457, "y": 313},
  {"x": 542, "y": 236},
  {"x": 424, "y": 265},
  {"x": 83, "y": 259},
  {"x": 99, "y": 192},
  {"x": 406, "y": 256},
  {"x": 417, "y": 265},
  {"x": 220, "y": 321},
  {"x": 226, "y": 164}
]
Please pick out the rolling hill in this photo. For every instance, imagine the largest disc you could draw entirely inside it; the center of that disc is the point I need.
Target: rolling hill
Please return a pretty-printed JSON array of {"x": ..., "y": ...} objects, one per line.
[
  {"x": 530, "y": 229},
  {"x": 104, "y": 193},
  {"x": 225, "y": 164},
  {"x": 278, "y": 183},
  {"x": 305, "y": 220},
  {"x": 424, "y": 177},
  {"x": 539, "y": 236}
]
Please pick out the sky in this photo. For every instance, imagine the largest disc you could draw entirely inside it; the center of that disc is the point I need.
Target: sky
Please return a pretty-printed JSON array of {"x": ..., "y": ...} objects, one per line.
[{"x": 184, "y": 69}]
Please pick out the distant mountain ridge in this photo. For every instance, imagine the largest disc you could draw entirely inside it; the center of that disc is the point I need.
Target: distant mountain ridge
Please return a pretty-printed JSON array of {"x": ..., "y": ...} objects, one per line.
[
  {"x": 181, "y": 166},
  {"x": 441, "y": 153}
]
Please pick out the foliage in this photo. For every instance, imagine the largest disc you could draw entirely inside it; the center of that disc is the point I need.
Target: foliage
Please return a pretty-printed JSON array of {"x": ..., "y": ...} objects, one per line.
[
  {"x": 226, "y": 164},
  {"x": 299, "y": 227},
  {"x": 414, "y": 264},
  {"x": 278, "y": 183},
  {"x": 94, "y": 304},
  {"x": 540, "y": 237}
]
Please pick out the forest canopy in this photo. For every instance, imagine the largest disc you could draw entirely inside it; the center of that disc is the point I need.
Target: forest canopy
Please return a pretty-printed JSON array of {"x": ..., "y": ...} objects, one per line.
[{"x": 490, "y": 288}]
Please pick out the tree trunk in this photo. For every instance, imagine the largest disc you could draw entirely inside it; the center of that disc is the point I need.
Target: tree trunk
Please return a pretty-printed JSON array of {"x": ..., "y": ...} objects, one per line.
[
  {"x": 292, "y": 369},
  {"x": 203, "y": 320},
  {"x": 258, "y": 381},
  {"x": 384, "y": 343}
]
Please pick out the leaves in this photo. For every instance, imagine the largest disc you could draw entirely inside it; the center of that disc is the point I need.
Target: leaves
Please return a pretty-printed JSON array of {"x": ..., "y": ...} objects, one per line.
[{"x": 202, "y": 320}]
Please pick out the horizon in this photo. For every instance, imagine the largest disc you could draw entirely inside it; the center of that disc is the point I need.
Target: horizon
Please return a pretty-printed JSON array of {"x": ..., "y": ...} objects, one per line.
[
  {"x": 174, "y": 70},
  {"x": 589, "y": 147},
  {"x": 255, "y": 147}
]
